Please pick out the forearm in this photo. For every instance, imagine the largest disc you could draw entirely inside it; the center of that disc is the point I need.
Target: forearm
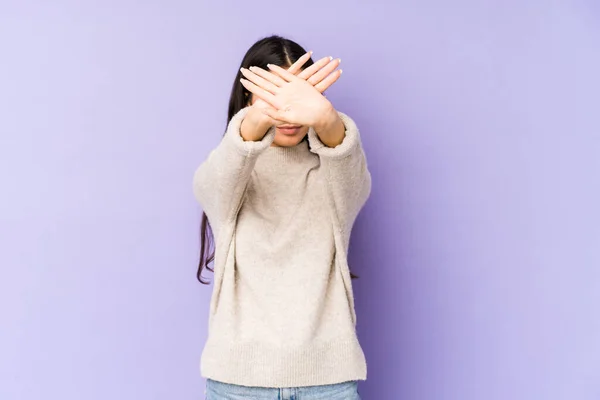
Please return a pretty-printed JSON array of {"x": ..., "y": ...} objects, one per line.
[
  {"x": 330, "y": 128},
  {"x": 345, "y": 170},
  {"x": 219, "y": 182}
]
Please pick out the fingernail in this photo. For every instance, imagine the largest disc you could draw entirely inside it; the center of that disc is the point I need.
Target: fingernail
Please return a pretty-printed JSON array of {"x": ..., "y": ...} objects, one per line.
[
  {"x": 330, "y": 58},
  {"x": 339, "y": 60},
  {"x": 341, "y": 71},
  {"x": 310, "y": 52},
  {"x": 269, "y": 65}
]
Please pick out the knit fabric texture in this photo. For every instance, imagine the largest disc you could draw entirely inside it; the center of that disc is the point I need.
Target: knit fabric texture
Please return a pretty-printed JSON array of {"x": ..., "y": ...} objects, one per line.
[{"x": 282, "y": 307}]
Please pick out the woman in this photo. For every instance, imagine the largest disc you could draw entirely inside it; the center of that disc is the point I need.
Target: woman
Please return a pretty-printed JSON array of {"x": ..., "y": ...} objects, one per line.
[{"x": 281, "y": 192}]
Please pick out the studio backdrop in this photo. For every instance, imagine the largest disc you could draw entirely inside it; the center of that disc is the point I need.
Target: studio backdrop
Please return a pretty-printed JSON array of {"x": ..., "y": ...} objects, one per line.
[{"x": 478, "y": 251}]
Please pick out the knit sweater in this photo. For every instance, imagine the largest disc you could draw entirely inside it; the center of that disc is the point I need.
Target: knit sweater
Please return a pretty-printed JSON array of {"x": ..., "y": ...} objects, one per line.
[{"x": 282, "y": 307}]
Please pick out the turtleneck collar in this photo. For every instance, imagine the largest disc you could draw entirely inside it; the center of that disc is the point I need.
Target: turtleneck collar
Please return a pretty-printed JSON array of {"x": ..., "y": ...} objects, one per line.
[{"x": 285, "y": 155}]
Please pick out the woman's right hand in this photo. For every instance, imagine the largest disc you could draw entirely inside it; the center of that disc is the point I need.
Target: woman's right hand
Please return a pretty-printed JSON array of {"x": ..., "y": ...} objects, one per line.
[{"x": 321, "y": 75}]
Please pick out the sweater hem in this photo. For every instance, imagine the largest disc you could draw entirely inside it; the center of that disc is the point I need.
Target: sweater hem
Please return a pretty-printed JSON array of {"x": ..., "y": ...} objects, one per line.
[{"x": 255, "y": 364}]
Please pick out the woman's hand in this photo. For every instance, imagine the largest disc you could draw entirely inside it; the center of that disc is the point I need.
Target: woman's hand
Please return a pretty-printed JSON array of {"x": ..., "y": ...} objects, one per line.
[
  {"x": 296, "y": 101},
  {"x": 294, "y": 98},
  {"x": 258, "y": 121}
]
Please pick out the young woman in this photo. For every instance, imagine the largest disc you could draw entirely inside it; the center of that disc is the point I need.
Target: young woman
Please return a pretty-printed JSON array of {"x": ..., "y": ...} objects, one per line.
[{"x": 281, "y": 192}]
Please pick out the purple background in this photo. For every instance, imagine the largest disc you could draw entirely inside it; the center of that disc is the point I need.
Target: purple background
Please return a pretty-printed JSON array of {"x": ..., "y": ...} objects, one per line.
[{"x": 479, "y": 250}]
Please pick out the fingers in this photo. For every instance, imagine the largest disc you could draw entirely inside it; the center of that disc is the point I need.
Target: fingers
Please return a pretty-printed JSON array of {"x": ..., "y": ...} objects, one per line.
[
  {"x": 260, "y": 92},
  {"x": 258, "y": 80},
  {"x": 297, "y": 66},
  {"x": 265, "y": 84},
  {"x": 328, "y": 81},
  {"x": 274, "y": 79},
  {"x": 324, "y": 72},
  {"x": 308, "y": 72},
  {"x": 286, "y": 75}
]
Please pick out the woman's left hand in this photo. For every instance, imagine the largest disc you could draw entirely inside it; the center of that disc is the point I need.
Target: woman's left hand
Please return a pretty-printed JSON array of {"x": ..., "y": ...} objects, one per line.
[{"x": 294, "y": 100}]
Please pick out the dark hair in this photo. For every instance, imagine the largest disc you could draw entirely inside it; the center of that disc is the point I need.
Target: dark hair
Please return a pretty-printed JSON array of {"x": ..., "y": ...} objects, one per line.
[{"x": 270, "y": 50}]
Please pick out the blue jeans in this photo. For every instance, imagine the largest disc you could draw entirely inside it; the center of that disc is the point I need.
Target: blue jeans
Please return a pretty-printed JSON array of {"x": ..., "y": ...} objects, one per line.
[{"x": 216, "y": 390}]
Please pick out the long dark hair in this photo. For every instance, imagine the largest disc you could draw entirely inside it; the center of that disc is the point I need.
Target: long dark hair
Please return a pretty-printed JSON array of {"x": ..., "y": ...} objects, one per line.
[{"x": 270, "y": 50}]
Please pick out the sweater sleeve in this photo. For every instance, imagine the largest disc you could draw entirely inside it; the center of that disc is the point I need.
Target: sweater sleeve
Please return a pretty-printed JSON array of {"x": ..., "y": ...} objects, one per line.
[
  {"x": 220, "y": 181},
  {"x": 346, "y": 172}
]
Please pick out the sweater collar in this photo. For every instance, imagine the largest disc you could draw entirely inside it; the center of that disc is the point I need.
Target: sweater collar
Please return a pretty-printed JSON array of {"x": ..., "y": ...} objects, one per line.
[{"x": 285, "y": 155}]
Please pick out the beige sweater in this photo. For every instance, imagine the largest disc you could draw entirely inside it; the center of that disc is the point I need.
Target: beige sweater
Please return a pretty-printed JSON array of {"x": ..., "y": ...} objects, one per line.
[{"x": 282, "y": 307}]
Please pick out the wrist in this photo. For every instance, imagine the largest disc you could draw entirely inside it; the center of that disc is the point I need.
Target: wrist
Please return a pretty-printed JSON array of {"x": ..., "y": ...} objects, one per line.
[
  {"x": 330, "y": 129},
  {"x": 328, "y": 120},
  {"x": 255, "y": 125}
]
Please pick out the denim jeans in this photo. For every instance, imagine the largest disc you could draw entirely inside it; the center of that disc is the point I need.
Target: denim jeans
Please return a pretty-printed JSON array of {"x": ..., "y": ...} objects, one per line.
[{"x": 216, "y": 390}]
